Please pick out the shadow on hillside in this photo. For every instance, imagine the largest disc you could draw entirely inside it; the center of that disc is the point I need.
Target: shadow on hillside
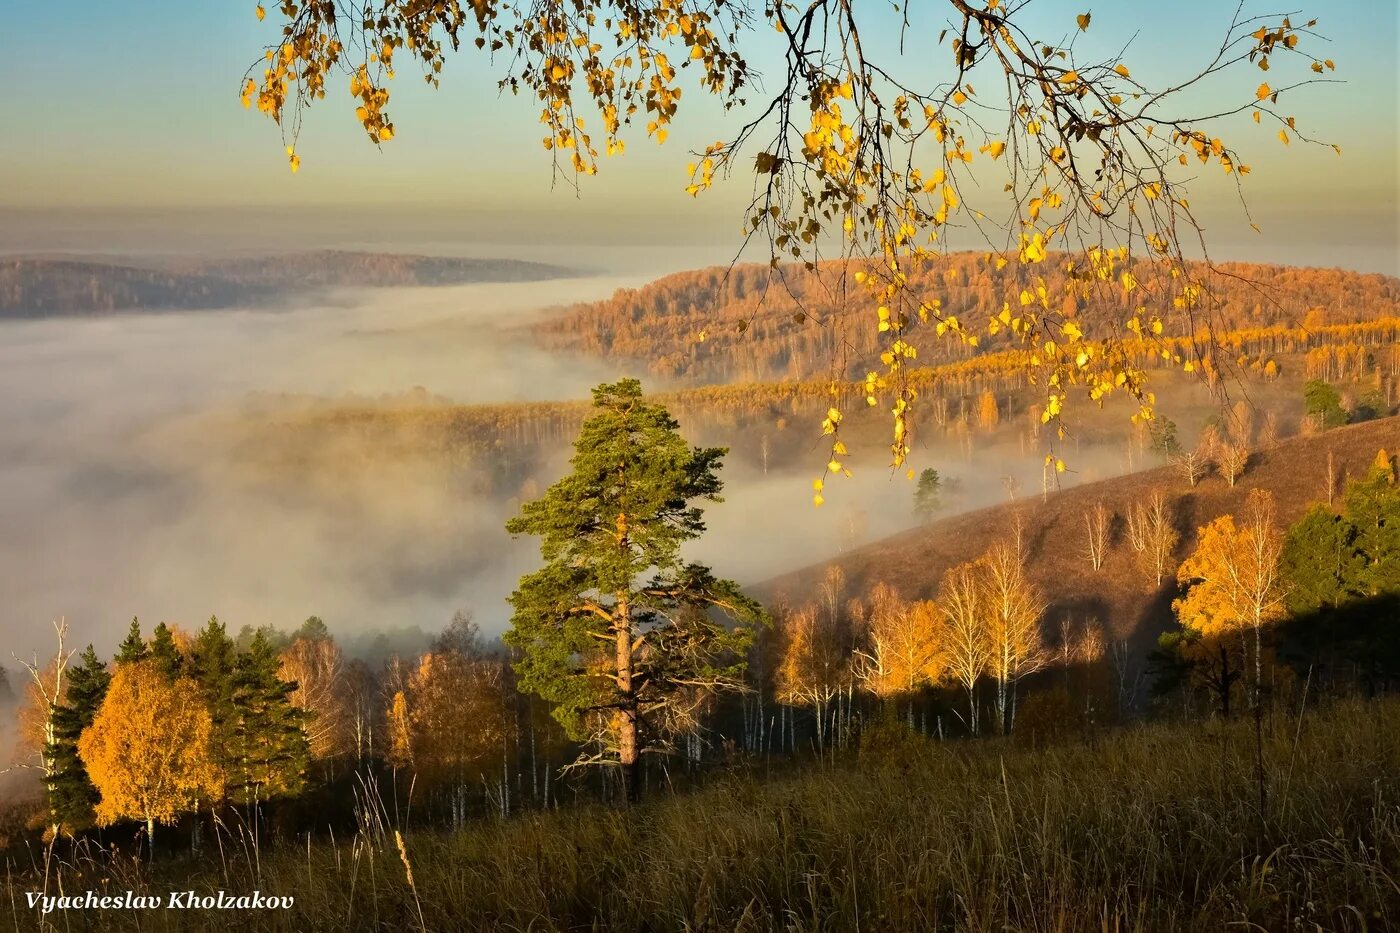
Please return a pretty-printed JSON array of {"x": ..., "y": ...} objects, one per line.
[{"x": 1357, "y": 642}]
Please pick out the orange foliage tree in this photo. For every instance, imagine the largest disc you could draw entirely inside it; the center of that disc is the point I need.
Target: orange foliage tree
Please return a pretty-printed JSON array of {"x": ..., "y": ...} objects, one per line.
[
  {"x": 147, "y": 750},
  {"x": 1233, "y": 578},
  {"x": 902, "y": 650}
]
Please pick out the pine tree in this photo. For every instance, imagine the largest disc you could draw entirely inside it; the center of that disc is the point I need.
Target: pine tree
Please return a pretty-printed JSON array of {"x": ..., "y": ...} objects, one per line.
[
  {"x": 313, "y": 629},
  {"x": 164, "y": 652},
  {"x": 616, "y": 630},
  {"x": 1320, "y": 562},
  {"x": 1373, "y": 508},
  {"x": 133, "y": 647},
  {"x": 270, "y": 750},
  {"x": 212, "y": 663},
  {"x": 72, "y": 796},
  {"x": 928, "y": 495}
]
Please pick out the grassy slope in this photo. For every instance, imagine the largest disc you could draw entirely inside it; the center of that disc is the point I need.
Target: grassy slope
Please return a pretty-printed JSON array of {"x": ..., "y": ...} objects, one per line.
[
  {"x": 1120, "y": 594},
  {"x": 1153, "y": 828}
]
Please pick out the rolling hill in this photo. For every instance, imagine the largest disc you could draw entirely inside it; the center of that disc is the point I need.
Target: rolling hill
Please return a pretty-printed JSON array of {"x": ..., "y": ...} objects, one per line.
[
  {"x": 1119, "y": 595},
  {"x": 800, "y": 325}
]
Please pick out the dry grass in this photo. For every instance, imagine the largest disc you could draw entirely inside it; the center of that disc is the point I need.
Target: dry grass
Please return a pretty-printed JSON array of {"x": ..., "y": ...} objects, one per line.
[{"x": 1155, "y": 828}]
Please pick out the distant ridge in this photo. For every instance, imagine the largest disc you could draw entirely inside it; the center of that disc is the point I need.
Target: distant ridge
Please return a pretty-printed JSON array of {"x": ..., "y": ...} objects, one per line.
[{"x": 41, "y": 287}]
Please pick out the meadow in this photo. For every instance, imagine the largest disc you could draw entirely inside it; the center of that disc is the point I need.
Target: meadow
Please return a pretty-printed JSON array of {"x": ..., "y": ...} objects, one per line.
[{"x": 1152, "y": 827}]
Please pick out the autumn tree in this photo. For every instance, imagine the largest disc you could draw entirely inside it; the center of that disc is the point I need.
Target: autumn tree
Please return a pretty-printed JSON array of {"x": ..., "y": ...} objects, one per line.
[
  {"x": 1096, "y": 525},
  {"x": 1232, "y": 457},
  {"x": 902, "y": 651},
  {"x": 988, "y": 414},
  {"x": 44, "y": 693},
  {"x": 1156, "y": 533},
  {"x": 147, "y": 750},
  {"x": 455, "y": 715},
  {"x": 961, "y": 602},
  {"x": 316, "y": 665},
  {"x": 1013, "y": 607},
  {"x": 617, "y": 630},
  {"x": 814, "y": 667},
  {"x": 873, "y": 154},
  {"x": 1232, "y": 578},
  {"x": 1194, "y": 462}
]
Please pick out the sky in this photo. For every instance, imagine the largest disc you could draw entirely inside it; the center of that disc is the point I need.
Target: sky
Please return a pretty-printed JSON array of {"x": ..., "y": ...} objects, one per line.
[{"x": 129, "y": 136}]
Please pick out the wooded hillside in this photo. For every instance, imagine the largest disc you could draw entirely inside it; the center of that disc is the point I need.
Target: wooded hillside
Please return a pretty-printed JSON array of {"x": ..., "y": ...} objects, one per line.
[
  {"x": 45, "y": 287},
  {"x": 1120, "y": 595},
  {"x": 686, "y": 326}
]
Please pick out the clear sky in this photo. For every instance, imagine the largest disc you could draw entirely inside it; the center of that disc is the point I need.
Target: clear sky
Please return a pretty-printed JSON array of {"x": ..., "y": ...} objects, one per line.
[{"x": 124, "y": 131}]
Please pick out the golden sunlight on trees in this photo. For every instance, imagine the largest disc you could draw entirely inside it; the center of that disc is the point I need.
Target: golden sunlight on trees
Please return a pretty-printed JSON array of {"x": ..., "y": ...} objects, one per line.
[
  {"x": 1013, "y": 606},
  {"x": 988, "y": 415},
  {"x": 961, "y": 601},
  {"x": 814, "y": 667},
  {"x": 456, "y": 716},
  {"x": 1233, "y": 577},
  {"x": 147, "y": 750},
  {"x": 317, "y": 667},
  {"x": 903, "y": 650},
  {"x": 1058, "y": 158}
]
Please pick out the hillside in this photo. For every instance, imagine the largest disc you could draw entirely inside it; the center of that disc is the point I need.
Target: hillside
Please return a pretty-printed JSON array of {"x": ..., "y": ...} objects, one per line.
[
  {"x": 49, "y": 287},
  {"x": 687, "y": 324},
  {"x": 1119, "y": 595}
]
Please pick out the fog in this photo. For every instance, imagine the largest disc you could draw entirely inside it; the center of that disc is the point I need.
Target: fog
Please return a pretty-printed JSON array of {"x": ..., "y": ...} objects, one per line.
[
  {"x": 136, "y": 481},
  {"x": 107, "y": 511}
]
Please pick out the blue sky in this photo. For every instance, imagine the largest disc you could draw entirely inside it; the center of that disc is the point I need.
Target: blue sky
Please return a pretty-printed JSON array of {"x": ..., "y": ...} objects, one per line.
[{"x": 125, "y": 118}]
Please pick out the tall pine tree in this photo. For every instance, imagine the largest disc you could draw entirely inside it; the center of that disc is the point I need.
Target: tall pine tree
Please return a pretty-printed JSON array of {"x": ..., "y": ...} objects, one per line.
[
  {"x": 165, "y": 653},
  {"x": 269, "y": 746},
  {"x": 213, "y": 660},
  {"x": 616, "y": 630},
  {"x": 133, "y": 647},
  {"x": 71, "y": 794}
]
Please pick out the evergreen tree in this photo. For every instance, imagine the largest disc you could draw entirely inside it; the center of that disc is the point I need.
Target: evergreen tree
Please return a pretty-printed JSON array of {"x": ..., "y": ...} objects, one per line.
[
  {"x": 928, "y": 495},
  {"x": 616, "y": 630},
  {"x": 270, "y": 751},
  {"x": 165, "y": 653},
  {"x": 1320, "y": 562},
  {"x": 1321, "y": 401},
  {"x": 72, "y": 796},
  {"x": 133, "y": 647},
  {"x": 212, "y": 664},
  {"x": 313, "y": 629},
  {"x": 1373, "y": 508}
]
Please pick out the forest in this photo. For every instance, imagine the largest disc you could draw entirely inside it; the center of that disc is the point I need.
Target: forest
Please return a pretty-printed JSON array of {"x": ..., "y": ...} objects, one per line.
[
  {"x": 1270, "y": 576},
  {"x": 42, "y": 287},
  {"x": 988, "y": 545}
]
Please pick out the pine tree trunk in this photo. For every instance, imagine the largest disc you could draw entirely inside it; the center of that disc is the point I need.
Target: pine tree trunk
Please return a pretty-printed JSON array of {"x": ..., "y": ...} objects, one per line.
[{"x": 627, "y": 752}]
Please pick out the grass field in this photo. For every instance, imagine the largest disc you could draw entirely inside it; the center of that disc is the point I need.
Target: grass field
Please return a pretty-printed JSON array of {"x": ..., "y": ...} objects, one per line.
[{"x": 1151, "y": 828}]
